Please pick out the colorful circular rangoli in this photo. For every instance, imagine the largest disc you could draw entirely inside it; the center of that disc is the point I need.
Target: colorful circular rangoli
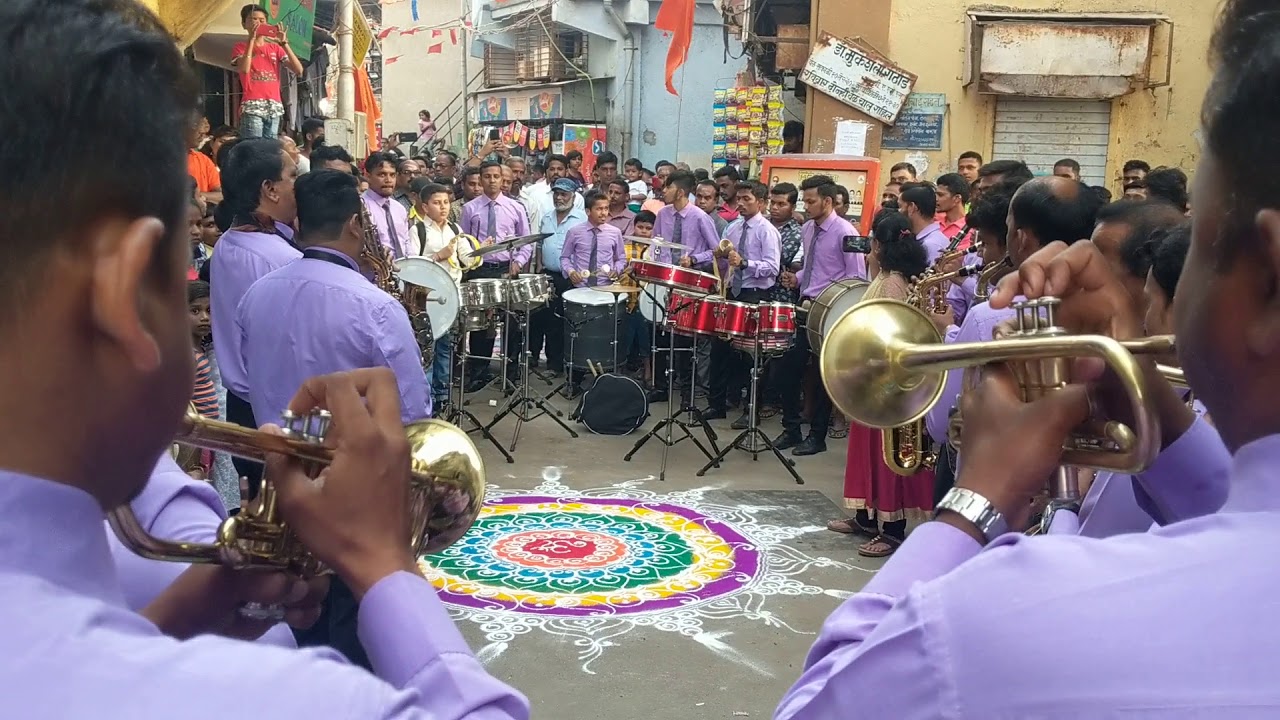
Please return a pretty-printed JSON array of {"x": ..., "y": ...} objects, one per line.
[{"x": 591, "y": 556}]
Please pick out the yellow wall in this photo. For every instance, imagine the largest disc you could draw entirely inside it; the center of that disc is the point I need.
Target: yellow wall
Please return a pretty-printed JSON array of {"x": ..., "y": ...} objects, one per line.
[
  {"x": 927, "y": 37},
  {"x": 187, "y": 19}
]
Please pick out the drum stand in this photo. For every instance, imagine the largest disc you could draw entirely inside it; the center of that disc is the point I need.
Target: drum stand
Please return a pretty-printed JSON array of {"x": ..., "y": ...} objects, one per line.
[
  {"x": 753, "y": 439},
  {"x": 522, "y": 402},
  {"x": 673, "y": 420},
  {"x": 459, "y": 415}
]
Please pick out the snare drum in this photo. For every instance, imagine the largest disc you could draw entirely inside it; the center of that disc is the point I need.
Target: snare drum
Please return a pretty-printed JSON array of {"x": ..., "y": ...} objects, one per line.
[
  {"x": 485, "y": 293},
  {"x": 591, "y": 325},
  {"x": 736, "y": 319},
  {"x": 829, "y": 306},
  {"x": 776, "y": 318},
  {"x": 689, "y": 315},
  {"x": 475, "y": 319},
  {"x": 769, "y": 344},
  {"x": 529, "y": 290},
  {"x": 674, "y": 276}
]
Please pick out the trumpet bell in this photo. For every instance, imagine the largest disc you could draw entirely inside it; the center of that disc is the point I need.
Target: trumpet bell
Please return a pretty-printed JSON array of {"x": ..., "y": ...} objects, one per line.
[{"x": 861, "y": 367}]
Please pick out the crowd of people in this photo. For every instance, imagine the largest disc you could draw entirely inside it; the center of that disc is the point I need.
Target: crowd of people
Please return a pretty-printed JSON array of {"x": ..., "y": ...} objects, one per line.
[{"x": 96, "y": 348}]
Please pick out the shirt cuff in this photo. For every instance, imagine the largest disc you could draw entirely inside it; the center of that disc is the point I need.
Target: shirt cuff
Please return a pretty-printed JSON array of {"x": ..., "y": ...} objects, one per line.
[
  {"x": 1064, "y": 522},
  {"x": 1190, "y": 478},
  {"x": 403, "y": 626},
  {"x": 931, "y": 551}
]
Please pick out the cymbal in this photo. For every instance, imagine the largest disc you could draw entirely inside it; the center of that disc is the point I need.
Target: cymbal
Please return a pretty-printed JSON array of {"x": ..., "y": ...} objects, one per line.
[
  {"x": 510, "y": 244},
  {"x": 616, "y": 288},
  {"x": 655, "y": 242}
]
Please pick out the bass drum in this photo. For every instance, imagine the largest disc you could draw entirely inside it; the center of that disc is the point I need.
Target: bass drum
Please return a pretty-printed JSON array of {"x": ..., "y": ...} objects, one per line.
[
  {"x": 653, "y": 302},
  {"x": 591, "y": 324},
  {"x": 829, "y": 306},
  {"x": 428, "y": 286}
]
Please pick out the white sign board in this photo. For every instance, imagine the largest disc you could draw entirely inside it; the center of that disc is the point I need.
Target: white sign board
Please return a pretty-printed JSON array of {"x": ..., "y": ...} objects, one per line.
[
  {"x": 851, "y": 137},
  {"x": 856, "y": 75}
]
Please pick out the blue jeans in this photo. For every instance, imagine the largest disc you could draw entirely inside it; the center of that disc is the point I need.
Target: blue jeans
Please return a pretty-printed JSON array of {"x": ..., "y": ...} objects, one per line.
[
  {"x": 256, "y": 126},
  {"x": 441, "y": 370}
]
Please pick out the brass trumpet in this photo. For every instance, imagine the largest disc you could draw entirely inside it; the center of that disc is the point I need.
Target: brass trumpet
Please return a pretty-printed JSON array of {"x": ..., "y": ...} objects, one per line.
[
  {"x": 884, "y": 365},
  {"x": 446, "y": 493}
]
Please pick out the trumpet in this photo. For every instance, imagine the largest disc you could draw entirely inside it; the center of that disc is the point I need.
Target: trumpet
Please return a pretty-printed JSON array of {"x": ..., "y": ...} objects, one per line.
[
  {"x": 447, "y": 483},
  {"x": 884, "y": 365}
]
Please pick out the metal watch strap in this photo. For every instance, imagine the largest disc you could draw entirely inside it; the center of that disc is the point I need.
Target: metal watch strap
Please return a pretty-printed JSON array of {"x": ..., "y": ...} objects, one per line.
[{"x": 976, "y": 509}]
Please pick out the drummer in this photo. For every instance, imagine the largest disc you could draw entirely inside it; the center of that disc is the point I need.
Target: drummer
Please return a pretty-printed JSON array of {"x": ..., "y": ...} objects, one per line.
[
  {"x": 753, "y": 257},
  {"x": 684, "y": 223},
  {"x": 593, "y": 252},
  {"x": 492, "y": 217},
  {"x": 434, "y": 236},
  {"x": 825, "y": 262}
]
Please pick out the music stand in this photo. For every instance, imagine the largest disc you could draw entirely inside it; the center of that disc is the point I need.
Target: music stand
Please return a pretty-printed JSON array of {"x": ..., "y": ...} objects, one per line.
[
  {"x": 753, "y": 440},
  {"x": 687, "y": 406}
]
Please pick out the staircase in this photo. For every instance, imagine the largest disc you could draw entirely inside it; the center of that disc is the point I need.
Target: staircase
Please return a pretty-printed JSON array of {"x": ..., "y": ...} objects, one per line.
[{"x": 451, "y": 121}]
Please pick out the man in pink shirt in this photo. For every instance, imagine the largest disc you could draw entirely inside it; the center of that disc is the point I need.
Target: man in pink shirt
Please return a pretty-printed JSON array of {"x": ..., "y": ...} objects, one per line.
[{"x": 258, "y": 61}]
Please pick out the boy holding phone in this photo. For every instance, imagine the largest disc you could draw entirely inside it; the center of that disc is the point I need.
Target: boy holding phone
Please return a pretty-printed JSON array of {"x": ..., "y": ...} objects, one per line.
[{"x": 258, "y": 61}]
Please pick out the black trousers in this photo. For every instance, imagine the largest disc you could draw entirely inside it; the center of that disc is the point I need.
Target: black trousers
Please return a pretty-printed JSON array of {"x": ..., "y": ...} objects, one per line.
[
  {"x": 547, "y": 322},
  {"x": 793, "y": 364},
  {"x": 480, "y": 342},
  {"x": 730, "y": 369},
  {"x": 240, "y": 412}
]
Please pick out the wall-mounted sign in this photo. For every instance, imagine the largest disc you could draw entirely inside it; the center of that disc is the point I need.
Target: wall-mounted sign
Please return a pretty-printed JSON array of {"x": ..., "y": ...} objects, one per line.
[
  {"x": 520, "y": 105},
  {"x": 919, "y": 125},
  {"x": 858, "y": 76}
]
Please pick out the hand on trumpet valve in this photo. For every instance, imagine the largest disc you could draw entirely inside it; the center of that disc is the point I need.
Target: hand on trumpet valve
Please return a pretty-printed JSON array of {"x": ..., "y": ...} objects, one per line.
[
  {"x": 1094, "y": 301},
  {"x": 1011, "y": 447},
  {"x": 355, "y": 515}
]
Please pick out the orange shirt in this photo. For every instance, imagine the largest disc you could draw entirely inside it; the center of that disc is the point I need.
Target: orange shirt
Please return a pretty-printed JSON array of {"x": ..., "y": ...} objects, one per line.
[{"x": 200, "y": 167}]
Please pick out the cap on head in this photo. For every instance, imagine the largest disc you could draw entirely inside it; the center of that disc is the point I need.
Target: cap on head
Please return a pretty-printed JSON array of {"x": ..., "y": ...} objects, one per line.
[{"x": 564, "y": 185}]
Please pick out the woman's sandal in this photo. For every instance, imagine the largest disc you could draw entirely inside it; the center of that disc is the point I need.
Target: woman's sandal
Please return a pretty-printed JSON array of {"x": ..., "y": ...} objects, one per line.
[
  {"x": 850, "y": 526},
  {"x": 879, "y": 546}
]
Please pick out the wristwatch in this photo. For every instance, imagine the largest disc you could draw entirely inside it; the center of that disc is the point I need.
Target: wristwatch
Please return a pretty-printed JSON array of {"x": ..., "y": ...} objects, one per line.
[{"x": 976, "y": 509}]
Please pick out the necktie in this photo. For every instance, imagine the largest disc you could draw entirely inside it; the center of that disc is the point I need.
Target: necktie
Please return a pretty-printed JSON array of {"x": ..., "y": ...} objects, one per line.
[
  {"x": 595, "y": 253},
  {"x": 676, "y": 231},
  {"x": 391, "y": 230},
  {"x": 742, "y": 251},
  {"x": 809, "y": 253},
  {"x": 492, "y": 231}
]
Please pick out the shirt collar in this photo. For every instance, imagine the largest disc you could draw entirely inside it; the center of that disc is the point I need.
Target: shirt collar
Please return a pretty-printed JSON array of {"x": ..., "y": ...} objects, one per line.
[
  {"x": 372, "y": 196},
  {"x": 336, "y": 253},
  {"x": 930, "y": 229},
  {"x": 55, "y": 532},
  {"x": 574, "y": 214},
  {"x": 1255, "y": 484}
]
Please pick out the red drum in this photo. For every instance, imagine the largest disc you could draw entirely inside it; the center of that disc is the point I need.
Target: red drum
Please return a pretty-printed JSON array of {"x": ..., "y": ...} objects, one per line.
[
  {"x": 674, "y": 276},
  {"x": 776, "y": 318},
  {"x": 769, "y": 344},
  {"x": 736, "y": 320},
  {"x": 693, "y": 316}
]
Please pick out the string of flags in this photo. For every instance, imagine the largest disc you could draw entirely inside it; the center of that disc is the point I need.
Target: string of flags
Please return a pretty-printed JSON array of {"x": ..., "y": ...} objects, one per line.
[
  {"x": 517, "y": 133},
  {"x": 435, "y": 31}
]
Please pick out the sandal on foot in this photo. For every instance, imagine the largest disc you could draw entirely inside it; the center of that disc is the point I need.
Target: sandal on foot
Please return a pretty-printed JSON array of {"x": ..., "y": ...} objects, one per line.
[
  {"x": 880, "y": 546},
  {"x": 849, "y": 526}
]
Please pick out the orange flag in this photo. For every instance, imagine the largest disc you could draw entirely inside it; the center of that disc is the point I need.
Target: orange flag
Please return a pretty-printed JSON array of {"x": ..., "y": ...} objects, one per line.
[
  {"x": 676, "y": 17},
  {"x": 367, "y": 103}
]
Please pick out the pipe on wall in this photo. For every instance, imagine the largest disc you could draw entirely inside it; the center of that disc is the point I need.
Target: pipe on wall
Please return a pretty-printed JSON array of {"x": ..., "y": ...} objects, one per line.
[{"x": 629, "y": 83}]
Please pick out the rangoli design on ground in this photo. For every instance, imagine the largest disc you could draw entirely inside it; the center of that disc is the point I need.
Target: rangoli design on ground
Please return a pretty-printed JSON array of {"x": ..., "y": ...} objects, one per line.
[{"x": 595, "y": 564}]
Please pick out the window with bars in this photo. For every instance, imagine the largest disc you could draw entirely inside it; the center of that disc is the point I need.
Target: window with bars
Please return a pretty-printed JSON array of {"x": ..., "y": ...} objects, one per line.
[{"x": 545, "y": 52}]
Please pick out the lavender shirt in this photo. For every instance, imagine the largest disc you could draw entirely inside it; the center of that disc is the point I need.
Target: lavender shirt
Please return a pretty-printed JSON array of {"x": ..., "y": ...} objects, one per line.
[
  {"x": 697, "y": 232},
  {"x": 75, "y": 650},
  {"x": 576, "y": 253},
  {"x": 338, "y": 321},
  {"x": 378, "y": 206},
  {"x": 173, "y": 506},
  {"x": 1172, "y": 623},
  {"x": 763, "y": 256},
  {"x": 960, "y": 297},
  {"x": 934, "y": 241},
  {"x": 240, "y": 259},
  {"x": 511, "y": 220},
  {"x": 979, "y": 323},
  {"x": 825, "y": 258}
]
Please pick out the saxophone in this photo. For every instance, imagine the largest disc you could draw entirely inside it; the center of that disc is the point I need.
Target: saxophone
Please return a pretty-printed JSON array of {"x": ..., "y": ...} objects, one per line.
[
  {"x": 991, "y": 276},
  {"x": 377, "y": 257}
]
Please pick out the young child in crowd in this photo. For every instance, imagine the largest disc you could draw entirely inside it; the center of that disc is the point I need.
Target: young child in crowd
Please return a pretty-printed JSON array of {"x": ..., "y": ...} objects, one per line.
[
  {"x": 639, "y": 331},
  {"x": 209, "y": 396}
]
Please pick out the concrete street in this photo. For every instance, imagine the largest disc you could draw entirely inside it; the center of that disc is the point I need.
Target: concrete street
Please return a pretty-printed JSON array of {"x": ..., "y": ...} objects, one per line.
[{"x": 723, "y": 653}]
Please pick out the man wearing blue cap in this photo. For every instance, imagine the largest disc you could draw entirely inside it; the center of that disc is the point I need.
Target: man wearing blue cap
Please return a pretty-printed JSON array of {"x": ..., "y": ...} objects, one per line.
[{"x": 565, "y": 213}]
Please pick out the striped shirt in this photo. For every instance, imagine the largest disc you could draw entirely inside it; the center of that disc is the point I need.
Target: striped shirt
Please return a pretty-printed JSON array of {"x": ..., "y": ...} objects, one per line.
[
  {"x": 205, "y": 396},
  {"x": 634, "y": 252}
]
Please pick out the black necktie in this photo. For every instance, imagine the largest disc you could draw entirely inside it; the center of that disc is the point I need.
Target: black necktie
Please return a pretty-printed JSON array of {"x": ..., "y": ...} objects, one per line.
[
  {"x": 742, "y": 252},
  {"x": 809, "y": 254},
  {"x": 676, "y": 232},
  {"x": 595, "y": 250}
]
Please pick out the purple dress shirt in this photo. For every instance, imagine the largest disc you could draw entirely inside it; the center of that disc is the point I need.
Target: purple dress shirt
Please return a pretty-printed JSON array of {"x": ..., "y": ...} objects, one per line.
[
  {"x": 173, "y": 506},
  {"x": 337, "y": 321},
  {"x": 378, "y": 207},
  {"x": 961, "y": 297},
  {"x": 763, "y": 256},
  {"x": 240, "y": 259},
  {"x": 979, "y": 323},
  {"x": 510, "y": 220},
  {"x": 75, "y": 650},
  {"x": 1057, "y": 626},
  {"x": 825, "y": 260},
  {"x": 576, "y": 254},
  {"x": 697, "y": 232},
  {"x": 934, "y": 241},
  {"x": 623, "y": 220}
]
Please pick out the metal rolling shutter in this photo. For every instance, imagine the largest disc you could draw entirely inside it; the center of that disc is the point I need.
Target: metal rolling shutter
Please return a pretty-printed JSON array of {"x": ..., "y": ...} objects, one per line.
[{"x": 1041, "y": 132}]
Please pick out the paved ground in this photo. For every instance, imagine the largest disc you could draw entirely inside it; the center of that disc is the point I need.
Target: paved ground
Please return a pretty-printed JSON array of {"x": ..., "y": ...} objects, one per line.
[{"x": 733, "y": 655}]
